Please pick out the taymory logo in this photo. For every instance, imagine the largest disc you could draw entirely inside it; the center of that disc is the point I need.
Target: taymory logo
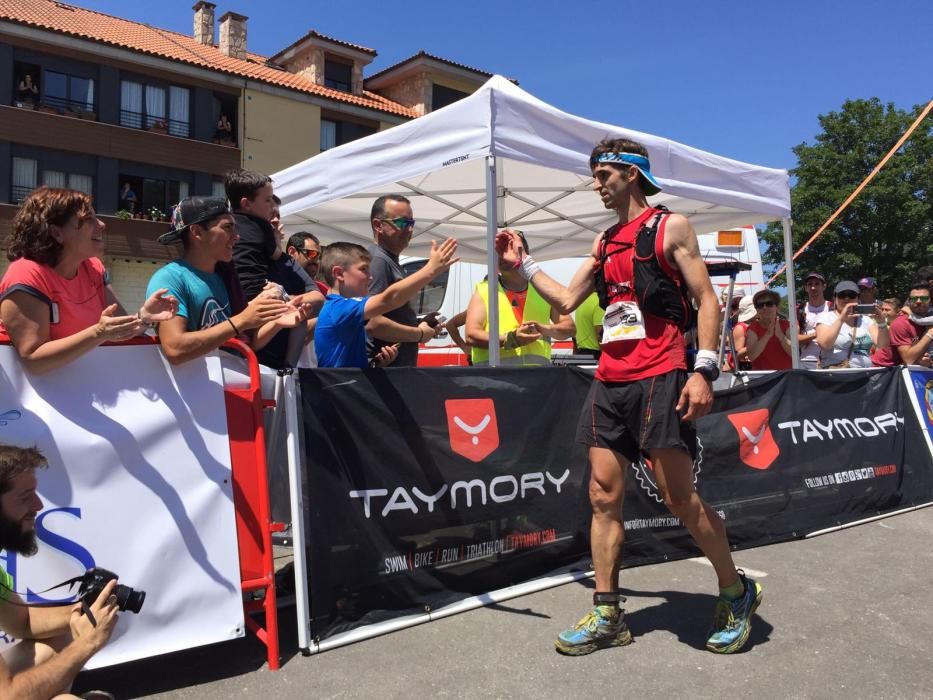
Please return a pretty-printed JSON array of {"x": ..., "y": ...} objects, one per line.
[
  {"x": 757, "y": 447},
  {"x": 474, "y": 431}
]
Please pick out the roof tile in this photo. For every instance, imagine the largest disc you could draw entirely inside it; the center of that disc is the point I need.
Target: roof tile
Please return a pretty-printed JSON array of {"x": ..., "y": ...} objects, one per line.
[{"x": 115, "y": 31}]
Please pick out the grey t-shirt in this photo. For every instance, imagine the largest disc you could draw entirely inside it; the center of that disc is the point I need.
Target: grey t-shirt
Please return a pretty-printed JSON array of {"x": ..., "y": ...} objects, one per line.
[{"x": 386, "y": 271}]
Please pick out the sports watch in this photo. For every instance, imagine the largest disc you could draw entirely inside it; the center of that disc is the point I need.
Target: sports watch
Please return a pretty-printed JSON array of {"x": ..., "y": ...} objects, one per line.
[{"x": 709, "y": 372}]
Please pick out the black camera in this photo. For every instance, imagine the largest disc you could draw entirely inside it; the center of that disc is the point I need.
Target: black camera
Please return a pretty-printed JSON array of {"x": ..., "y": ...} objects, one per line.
[{"x": 93, "y": 582}]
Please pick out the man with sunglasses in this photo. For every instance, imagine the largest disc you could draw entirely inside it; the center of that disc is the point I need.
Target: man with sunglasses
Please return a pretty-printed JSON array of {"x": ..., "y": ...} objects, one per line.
[
  {"x": 393, "y": 223},
  {"x": 911, "y": 342},
  {"x": 305, "y": 249}
]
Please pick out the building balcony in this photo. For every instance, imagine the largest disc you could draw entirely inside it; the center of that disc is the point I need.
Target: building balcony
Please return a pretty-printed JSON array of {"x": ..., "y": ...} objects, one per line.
[
  {"x": 133, "y": 239},
  {"x": 64, "y": 133}
]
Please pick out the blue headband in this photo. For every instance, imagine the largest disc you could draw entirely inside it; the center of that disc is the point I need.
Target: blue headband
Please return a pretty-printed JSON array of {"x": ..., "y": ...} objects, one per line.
[{"x": 650, "y": 185}]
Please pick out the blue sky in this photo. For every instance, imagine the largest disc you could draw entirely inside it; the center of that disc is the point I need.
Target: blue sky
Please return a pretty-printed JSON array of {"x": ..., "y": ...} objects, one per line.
[{"x": 742, "y": 79}]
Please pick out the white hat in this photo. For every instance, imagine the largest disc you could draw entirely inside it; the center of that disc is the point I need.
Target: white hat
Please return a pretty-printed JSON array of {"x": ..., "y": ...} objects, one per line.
[{"x": 747, "y": 309}]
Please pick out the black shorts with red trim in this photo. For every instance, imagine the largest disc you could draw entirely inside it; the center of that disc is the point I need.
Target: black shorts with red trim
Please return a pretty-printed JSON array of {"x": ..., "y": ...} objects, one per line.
[{"x": 632, "y": 418}]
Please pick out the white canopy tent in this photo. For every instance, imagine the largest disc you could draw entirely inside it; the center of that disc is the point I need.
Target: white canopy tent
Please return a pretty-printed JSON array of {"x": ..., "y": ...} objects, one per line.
[{"x": 503, "y": 158}]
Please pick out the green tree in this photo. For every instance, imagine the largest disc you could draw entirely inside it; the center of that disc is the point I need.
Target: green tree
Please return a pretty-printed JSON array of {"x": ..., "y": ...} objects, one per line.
[{"x": 887, "y": 232}]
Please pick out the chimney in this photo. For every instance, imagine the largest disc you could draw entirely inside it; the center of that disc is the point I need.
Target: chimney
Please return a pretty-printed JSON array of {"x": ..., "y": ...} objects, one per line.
[
  {"x": 233, "y": 35},
  {"x": 204, "y": 22}
]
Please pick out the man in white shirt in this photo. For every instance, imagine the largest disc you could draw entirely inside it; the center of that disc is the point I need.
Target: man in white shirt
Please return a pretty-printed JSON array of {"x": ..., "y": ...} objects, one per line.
[{"x": 815, "y": 285}]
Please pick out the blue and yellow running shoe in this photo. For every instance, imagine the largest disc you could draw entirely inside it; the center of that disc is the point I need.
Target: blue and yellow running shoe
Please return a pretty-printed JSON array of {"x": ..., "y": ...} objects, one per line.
[
  {"x": 599, "y": 629},
  {"x": 733, "y": 621}
]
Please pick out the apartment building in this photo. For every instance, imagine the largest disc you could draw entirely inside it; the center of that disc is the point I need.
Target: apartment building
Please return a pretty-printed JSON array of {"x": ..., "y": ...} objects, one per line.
[{"x": 140, "y": 117}]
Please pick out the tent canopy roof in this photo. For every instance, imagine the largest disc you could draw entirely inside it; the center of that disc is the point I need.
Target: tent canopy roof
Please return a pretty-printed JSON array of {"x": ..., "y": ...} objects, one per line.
[{"x": 543, "y": 175}]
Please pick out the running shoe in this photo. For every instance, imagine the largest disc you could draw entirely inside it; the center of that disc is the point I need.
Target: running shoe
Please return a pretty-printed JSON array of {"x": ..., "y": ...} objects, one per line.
[
  {"x": 596, "y": 630},
  {"x": 733, "y": 621}
]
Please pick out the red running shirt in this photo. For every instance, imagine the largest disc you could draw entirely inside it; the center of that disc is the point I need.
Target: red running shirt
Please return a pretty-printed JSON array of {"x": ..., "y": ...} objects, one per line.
[{"x": 662, "y": 349}]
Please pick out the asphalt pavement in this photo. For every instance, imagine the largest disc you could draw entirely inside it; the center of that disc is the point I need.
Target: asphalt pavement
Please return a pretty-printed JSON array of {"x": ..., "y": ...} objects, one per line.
[{"x": 844, "y": 615}]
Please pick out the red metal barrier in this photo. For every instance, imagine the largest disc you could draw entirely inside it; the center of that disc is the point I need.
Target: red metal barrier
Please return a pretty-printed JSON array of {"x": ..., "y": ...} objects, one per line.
[{"x": 254, "y": 526}]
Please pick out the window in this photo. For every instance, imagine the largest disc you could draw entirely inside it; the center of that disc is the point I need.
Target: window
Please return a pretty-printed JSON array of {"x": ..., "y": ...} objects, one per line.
[
  {"x": 25, "y": 173},
  {"x": 431, "y": 297},
  {"x": 337, "y": 133},
  {"x": 26, "y": 84},
  {"x": 224, "y": 113},
  {"x": 151, "y": 198},
  {"x": 338, "y": 75},
  {"x": 151, "y": 107},
  {"x": 57, "y": 178},
  {"x": 68, "y": 91},
  {"x": 442, "y": 96},
  {"x": 217, "y": 189}
]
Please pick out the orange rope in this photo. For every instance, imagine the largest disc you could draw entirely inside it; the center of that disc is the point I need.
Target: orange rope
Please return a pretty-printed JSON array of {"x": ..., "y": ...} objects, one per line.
[{"x": 871, "y": 175}]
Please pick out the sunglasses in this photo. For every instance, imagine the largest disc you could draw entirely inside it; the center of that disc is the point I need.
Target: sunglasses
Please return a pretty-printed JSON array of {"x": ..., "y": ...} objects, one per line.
[
  {"x": 764, "y": 304},
  {"x": 846, "y": 295},
  {"x": 920, "y": 299},
  {"x": 401, "y": 223},
  {"x": 310, "y": 254}
]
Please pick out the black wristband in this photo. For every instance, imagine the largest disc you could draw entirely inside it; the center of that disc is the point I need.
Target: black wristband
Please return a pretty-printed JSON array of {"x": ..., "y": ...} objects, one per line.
[{"x": 236, "y": 331}]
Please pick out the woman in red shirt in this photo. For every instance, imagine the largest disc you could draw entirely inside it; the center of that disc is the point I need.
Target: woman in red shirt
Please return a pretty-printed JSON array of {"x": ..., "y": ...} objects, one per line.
[
  {"x": 769, "y": 344},
  {"x": 56, "y": 302}
]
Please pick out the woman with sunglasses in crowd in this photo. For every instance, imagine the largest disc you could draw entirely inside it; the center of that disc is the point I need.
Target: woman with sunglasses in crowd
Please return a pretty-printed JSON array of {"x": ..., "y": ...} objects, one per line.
[
  {"x": 846, "y": 337},
  {"x": 56, "y": 302},
  {"x": 768, "y": 339}
]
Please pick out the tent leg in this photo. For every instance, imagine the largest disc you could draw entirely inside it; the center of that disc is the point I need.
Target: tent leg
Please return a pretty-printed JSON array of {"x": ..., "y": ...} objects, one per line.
[
  {"x": 492, "y": 259},
  {"x": 724, "y": 327},
  {"x": 791, "y": 294}
]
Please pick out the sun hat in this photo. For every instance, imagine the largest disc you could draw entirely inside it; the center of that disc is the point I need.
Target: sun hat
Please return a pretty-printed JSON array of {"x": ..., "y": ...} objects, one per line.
[
  {"x": 746, "y": 309},
  {"x": 766, "y": 293}
]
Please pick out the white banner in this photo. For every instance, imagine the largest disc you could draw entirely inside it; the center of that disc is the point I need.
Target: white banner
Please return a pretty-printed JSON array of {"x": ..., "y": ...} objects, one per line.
[{"x": 138, "y": 482}]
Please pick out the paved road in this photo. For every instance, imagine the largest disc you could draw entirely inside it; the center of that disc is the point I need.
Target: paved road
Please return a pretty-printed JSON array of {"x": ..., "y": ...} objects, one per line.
[{"x": 845, "y": 615}]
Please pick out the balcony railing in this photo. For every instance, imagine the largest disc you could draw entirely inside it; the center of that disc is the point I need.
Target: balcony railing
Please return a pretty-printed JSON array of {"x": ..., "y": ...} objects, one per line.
[
  {"x": 138, "y": 120},
  {"x": 62, "y": 104}
]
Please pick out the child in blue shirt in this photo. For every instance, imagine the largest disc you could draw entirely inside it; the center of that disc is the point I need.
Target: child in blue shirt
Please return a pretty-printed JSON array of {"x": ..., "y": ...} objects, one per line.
[{"x": 340, "y": 336}]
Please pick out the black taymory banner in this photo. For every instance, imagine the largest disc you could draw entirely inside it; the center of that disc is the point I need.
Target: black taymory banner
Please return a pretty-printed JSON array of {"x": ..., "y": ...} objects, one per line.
[{"x": 428, "y": 486}]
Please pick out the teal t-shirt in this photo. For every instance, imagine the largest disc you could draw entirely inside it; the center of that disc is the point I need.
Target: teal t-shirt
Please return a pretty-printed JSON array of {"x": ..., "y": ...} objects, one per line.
[{"x": 202, "y": 297}]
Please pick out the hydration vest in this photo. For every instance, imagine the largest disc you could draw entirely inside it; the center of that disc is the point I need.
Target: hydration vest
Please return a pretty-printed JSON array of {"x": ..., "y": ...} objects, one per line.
[{"x": 657, "y": 292}]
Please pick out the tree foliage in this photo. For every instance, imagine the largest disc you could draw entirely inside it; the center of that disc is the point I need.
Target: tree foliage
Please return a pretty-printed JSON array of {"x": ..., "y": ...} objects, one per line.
[{"x": 887, "y": 231}]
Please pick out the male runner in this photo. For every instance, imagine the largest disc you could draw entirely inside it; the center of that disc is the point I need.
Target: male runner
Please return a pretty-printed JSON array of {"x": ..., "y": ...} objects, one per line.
[{"x": 642, "y": 402}]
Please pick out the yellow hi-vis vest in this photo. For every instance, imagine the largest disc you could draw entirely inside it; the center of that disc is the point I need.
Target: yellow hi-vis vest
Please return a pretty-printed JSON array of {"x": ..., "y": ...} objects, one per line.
[{"x": 536, "y": 309}]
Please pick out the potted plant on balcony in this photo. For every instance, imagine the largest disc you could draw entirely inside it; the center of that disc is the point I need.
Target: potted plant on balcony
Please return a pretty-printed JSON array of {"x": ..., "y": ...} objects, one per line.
[
  {"x": 124, "y": 214},
  {"x": 160, "y": 126},
  {"x": 156, "y": 214}
]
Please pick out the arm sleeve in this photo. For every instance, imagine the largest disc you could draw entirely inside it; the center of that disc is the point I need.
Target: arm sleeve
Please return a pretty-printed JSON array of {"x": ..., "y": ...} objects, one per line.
[
  {"x": 249, "y": 256},
  {"x": 379, "y": 269},
  {"x": 164, "y": 279},
  {"x": 901, "y": 333}
]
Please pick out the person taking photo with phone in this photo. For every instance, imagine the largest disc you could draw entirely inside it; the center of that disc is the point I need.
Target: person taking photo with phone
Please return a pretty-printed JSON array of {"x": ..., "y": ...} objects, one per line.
[{"x": 847, "y": 333}]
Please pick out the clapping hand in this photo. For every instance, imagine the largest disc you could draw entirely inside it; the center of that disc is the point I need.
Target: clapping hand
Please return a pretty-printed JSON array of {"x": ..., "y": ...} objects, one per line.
[{"x": 160, "y": 306}]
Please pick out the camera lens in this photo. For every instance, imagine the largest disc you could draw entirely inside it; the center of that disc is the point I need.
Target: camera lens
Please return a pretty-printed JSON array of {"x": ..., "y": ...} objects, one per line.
[{"x": 128, "y": 599}]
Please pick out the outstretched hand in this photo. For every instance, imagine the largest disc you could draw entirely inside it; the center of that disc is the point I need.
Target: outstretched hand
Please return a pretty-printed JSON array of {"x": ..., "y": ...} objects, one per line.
[
  {"x": 509, "y": 246},
  {"x": 442, "y": 256},
  {"x": 160, "y": 306}
]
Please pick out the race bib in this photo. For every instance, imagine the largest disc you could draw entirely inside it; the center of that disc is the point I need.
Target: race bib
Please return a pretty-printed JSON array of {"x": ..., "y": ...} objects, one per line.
[{"x": 623, "y": 321}]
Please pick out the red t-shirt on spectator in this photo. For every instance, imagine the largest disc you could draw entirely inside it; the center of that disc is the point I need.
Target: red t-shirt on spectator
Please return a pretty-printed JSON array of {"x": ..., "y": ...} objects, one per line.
[
  {"x": 774, "y": 356},
  {"x": 74, "y": 304},
  {"x": 903, "y": 333}
]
